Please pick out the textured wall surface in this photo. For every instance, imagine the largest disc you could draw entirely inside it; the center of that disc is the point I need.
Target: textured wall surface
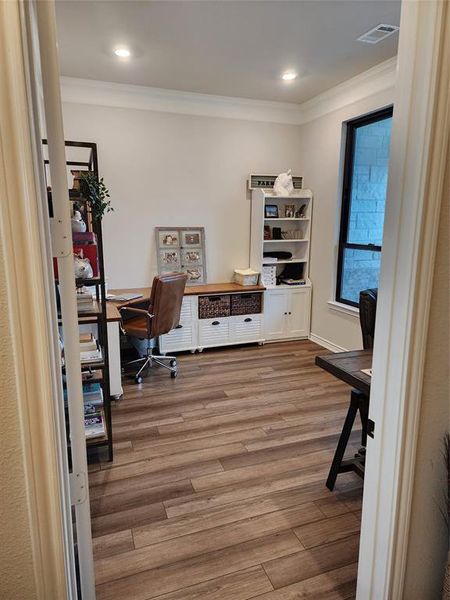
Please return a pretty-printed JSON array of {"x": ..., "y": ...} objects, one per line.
[{"x": 17, "y": 580}]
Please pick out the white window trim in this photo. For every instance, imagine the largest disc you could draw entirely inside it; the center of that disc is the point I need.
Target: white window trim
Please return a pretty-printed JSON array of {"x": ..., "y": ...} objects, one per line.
[{"x": 353, "y": 311}]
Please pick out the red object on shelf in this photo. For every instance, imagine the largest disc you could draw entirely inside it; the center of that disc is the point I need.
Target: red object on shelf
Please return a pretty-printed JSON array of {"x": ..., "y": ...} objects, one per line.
[{"x": 84, "y": 251}]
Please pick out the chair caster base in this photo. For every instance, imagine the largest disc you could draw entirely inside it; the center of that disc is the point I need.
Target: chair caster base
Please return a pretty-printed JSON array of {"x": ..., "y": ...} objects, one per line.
[{"x": 138, "y": 379}]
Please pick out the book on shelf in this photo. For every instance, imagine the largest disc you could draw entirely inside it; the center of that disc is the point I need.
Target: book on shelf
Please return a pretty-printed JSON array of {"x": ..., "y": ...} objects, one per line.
[
  {"x": 94, "y": 425},
  {"x": 85, "y": 300},
  {"x": 93, "y": 393},
  {"x": 90, "y": 351}
]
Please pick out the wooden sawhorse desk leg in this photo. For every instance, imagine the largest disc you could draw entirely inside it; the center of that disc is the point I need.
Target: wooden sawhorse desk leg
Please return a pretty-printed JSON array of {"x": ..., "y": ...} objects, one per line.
[{"x": 358, "y": 402}]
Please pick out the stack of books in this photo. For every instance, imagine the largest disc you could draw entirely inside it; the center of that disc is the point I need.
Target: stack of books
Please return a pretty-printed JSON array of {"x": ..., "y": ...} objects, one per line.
[
  {"x": 85, "y": 300},
  {"x": 94, "y": 424},
  {"x": 94, "y": 421},
  {"x": 90, "y": 351}
]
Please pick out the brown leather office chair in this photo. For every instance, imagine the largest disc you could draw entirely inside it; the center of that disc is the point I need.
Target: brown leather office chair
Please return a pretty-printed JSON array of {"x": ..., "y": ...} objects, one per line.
[
  {"x": 367, "y": 313},
  {"x": 161, "y": 316}
]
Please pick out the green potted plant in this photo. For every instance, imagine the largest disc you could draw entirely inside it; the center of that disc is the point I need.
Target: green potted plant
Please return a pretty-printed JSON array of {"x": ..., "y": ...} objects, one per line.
[{"x": 97, "y": 193}]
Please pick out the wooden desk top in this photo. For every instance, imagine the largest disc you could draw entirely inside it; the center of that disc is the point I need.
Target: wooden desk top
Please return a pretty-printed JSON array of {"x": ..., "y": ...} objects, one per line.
[
  {"x": 347, "y": 366},
  {"x": 192, "y": 290}
]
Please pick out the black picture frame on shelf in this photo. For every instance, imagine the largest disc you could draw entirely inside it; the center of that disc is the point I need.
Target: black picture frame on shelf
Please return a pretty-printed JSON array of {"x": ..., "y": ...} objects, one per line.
[{"x": 271, "y": 211}]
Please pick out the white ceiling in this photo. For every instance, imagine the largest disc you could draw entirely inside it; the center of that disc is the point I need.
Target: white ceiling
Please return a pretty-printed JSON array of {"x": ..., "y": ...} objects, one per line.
[{"x": 224, "y": 47}]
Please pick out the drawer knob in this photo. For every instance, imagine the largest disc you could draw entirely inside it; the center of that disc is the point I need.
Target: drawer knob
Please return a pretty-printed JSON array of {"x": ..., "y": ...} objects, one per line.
[
  {"x": 247, "y": 320},
  {"x": 215, "y": 323}
]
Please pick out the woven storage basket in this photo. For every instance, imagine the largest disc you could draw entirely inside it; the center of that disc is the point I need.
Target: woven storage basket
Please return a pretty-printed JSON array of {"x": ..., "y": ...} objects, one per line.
[
  {"x": 210, "y": 307},
  {"x": 246, "y": 304}
]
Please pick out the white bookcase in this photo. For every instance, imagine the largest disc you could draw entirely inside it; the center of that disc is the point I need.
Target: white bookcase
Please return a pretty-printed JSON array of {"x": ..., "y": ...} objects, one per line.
[{"x": 287, "y": 308}]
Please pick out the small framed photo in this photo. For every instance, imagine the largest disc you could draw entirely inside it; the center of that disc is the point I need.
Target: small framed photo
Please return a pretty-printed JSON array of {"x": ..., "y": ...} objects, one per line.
[
  {"x": 195, "y": 274},
  {"x": 191, "y": 257},
  {"x": 289, "y": 211},
  {"x": 168, "y": 239},
  {"x": 191, "y": 238},
  {"x": 271, "y": 211},
  {"x": 170, "y": 259}
]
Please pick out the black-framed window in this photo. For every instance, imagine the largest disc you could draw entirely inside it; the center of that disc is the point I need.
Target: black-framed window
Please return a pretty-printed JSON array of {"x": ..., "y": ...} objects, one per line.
[{"x": 363, "y": 203}]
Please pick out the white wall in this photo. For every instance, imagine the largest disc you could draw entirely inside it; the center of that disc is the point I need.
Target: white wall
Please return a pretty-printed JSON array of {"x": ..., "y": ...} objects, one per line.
[
  {"x": 321, "y": 154},
  {"x": 168, "y": 169},
  {"x": 172, "y": 169}
]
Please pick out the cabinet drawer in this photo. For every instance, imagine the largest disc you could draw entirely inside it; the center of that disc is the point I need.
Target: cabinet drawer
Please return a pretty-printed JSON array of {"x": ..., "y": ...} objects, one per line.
[
  {"x": 214, "y": 332},
  {"x": 181, "y": 338},
  {"x": 247, "y": 328},
  {"x": 187, "y": 311}
]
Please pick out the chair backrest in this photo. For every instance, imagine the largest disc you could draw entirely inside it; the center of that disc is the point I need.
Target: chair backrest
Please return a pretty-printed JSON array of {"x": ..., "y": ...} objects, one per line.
[
  {"x": 166, "y": 298},
  {"x": 367, "y": 313}
]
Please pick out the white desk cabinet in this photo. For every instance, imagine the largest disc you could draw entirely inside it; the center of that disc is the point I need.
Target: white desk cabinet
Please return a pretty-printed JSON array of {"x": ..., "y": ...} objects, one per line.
[
  {"x": 287, "y": 313},
  {"x": 185, "y": 336}
]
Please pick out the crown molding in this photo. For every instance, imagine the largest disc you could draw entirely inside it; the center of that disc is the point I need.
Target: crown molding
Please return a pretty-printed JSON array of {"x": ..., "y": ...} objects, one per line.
[
  {"x": 379, "y": 78},
  {"x": 119, "y": 95}
]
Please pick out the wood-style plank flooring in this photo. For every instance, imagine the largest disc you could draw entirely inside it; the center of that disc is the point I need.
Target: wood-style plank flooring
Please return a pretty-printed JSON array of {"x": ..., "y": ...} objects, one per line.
[{"x": 217, "y": 489}]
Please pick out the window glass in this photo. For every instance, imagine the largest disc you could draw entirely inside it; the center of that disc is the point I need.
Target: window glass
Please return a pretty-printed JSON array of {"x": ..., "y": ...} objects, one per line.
[
  {"x": 363, "y": 204},
  {"x": 361, "y": 270},
  {"x": 369, "y": 183}
]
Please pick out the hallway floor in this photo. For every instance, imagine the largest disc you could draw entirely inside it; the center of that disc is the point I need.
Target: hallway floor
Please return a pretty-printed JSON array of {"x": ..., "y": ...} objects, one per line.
[{"x": 217, "y": 489}]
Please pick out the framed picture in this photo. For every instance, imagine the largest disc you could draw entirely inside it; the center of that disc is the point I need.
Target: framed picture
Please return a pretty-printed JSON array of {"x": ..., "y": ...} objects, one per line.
[
  {"x": 195, "y": 274},
  {"x": 182, "y": 249},
  {"x": 191, "y": 257},
  {"x": 169, "y": 239},
  {"x": 289, "y": 211},
  {"x": 191, "y": 238},
  {"x": 271, "y": 211},
  {"x": 170, "y": 258}
]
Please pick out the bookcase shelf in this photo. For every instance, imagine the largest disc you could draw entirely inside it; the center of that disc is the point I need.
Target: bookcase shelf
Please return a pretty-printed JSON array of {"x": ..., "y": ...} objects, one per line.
[
  {"x": 95, "y": 318},
  {"x": 299, "y": 227}
]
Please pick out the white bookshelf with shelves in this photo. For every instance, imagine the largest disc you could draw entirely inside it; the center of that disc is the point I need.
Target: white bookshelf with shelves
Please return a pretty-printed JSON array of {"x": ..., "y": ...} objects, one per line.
[{"x": 287, "y": 307}]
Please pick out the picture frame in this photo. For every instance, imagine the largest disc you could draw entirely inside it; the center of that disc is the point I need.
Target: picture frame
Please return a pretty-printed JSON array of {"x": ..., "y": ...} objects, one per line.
[
  {"x": 191, "y": 238},
  {"x": 170, "y": 258},
  {"x": 271, "y": 211},
  {"x": 182, "y": 249},
  {"x": 289, "y": 211},
  {"x": 195, "y": 274},
  {"x": 169, "y": 238},
  {"x": 192, "y": 257}
]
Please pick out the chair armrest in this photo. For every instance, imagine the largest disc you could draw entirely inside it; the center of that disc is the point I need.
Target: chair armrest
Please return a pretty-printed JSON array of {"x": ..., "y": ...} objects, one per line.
[{"x": 141, "y": 312}]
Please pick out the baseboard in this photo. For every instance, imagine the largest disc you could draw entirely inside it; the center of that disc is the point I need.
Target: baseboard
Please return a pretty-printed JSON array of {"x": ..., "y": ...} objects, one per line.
[{"x": 326, "y": 343}]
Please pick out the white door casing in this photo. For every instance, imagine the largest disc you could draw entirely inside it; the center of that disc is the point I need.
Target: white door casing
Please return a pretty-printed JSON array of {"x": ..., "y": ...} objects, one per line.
[{"x": 417, "y": 160}]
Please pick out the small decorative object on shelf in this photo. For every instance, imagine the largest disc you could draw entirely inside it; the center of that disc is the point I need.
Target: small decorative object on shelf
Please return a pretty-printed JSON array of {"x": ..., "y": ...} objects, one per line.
[
  {"x": 182, "y": 249},
  {"x": 271, "y": 211},
  {"x": 246, "y": 276},
  {"x": 300, "y": 213},
  {"x": 82, "y": 267},
  {"x": 77, "y": 223},
  {"x": 283, "y": 185},
  {"x": 289, "y": 211},
  {"x": 95, "y": 190},
  {"x": 267, "y": 232}
]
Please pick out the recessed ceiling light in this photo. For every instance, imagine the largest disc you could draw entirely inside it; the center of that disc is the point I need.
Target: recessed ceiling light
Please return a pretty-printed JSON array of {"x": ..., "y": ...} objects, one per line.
[
  {"x": 122, "y": 52},
  {"x": 289, "y": 76}
]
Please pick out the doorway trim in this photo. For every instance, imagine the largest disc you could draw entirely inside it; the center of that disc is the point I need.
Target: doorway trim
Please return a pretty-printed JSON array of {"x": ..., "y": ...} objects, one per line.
[
  {"x": 27, "y": 302},
  {"x": 418, "y": 156}
]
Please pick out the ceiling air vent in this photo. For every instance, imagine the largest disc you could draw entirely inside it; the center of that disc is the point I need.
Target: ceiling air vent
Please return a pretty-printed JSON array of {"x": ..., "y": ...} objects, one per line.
[{"x": 378, "y": 33}]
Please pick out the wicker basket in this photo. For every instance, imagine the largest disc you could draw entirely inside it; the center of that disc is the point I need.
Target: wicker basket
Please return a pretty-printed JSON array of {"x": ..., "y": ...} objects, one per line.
[
  {"x": 210, "y": 307},
  {"x": 246, "y": 304}
]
